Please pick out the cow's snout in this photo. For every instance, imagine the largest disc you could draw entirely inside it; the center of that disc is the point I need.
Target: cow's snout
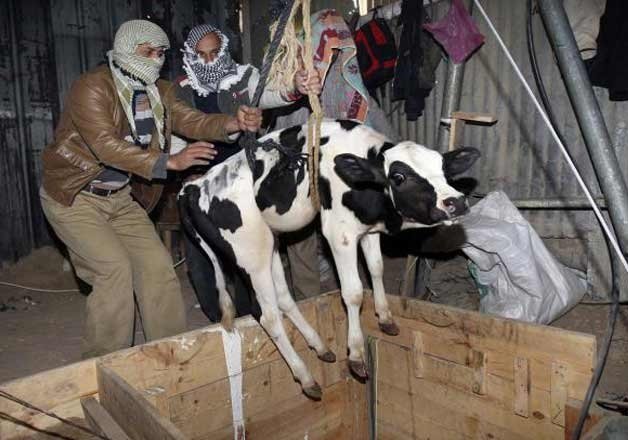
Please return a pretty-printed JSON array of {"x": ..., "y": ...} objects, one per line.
[{"x": 455, "y": 206}]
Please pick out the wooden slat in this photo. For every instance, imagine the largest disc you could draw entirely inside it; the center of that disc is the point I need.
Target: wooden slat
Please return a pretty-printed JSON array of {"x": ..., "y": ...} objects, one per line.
[
  {"x": 456, "y": 132},
  {"x": 559, "y": 393},
  {"x": 478, "y": 365},
  {"x": 485, "y": 118},
  {"x": 481, "y": 408},
  {"x": 138, "y": 418},
  {"x": 56, "y": 390},
  {"x": 101, "y": 421},
  {"x": 522, "y": 387},
  {"x": 484, "y": 332}
]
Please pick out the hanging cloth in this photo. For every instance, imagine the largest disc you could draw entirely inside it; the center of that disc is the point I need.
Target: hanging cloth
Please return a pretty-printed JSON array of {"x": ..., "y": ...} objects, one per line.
[{"x": 456, "y": 32}]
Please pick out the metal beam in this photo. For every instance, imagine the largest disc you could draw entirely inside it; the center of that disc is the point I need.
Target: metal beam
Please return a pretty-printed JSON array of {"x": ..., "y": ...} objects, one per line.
[
  {"x": 453, "y": 92},
  {"x": 587, "y": 110}
]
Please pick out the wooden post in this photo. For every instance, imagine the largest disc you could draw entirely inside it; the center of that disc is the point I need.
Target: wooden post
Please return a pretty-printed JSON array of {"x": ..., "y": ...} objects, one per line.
[
  {"x": 101, "y": 421},
  {"x": 139, "y": 419}
]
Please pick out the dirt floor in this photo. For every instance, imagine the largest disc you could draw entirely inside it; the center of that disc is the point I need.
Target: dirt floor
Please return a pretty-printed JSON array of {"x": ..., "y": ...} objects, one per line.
[{"x": 43, "y": 330}]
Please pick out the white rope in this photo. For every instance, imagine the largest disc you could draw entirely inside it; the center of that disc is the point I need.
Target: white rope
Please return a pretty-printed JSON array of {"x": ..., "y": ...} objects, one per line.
[
  {"x": 563, "y": 149},
  {"x": 37, "y": 289}
]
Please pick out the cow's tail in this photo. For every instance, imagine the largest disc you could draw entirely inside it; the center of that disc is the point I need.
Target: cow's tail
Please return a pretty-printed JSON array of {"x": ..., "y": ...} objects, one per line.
[{"x": 195, "y": 224}]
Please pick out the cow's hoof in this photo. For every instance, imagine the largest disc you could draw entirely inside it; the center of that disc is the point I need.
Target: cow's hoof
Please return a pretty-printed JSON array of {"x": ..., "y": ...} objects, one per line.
[
  {"x": 390, "y": 328},
  {"x": 359, "y": 369},
  {"x": 328, "y": 356},
  {"x": 314, "y": 392}
]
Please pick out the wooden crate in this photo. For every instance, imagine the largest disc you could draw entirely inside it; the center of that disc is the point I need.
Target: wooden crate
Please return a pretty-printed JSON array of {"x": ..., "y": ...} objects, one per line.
[{"x": 449, "y": 374}]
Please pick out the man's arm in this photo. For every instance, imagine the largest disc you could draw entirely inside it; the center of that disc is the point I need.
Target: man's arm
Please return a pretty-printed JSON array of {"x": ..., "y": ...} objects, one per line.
[
  {"x": 195, "y": 124},
  {"x": 91, "y": 109}
]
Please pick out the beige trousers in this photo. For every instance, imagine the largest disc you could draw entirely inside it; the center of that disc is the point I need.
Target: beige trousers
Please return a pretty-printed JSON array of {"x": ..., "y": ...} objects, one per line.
[{"x": 114, "y": 247}]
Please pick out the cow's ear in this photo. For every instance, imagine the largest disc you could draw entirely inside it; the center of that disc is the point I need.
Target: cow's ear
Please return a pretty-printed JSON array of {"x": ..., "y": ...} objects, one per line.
[
  {"x": 356, "y": 171},
  {"x": 459, "y": 160}
]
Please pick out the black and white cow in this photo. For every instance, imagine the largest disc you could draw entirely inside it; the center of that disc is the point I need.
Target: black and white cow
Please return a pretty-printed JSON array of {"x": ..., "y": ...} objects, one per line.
[{"x": 367, "y": 185}]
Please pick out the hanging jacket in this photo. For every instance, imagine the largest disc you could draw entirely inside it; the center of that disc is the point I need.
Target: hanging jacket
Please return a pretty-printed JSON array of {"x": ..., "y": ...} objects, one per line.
[{"x": 418, "y": 58}]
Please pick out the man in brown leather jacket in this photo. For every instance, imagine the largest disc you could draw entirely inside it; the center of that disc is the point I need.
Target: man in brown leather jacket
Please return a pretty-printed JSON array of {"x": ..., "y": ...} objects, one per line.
[{"x": 99, "y": 174}]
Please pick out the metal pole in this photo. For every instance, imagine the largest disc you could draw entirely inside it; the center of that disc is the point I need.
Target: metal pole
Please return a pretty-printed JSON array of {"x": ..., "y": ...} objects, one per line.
[
  {"x": 587, "y": 110},
  {"x": 20, "y": 118},
  {"x": 451, "y": 103},
  {"x": 453, "y": 92}
]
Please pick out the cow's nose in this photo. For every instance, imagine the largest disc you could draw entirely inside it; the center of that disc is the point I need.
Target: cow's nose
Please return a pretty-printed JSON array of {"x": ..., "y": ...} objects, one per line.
[{"x": 455, "y": 206}]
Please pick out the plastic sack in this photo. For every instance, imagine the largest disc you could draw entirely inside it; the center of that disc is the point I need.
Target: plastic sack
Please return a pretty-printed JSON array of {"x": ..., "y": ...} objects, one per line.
[
  {"x": 456, "y": 32},
  {"x": 517, "y": 276}
]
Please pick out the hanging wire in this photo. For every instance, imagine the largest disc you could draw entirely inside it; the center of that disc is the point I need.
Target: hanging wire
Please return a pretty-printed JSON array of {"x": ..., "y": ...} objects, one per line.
[
  {"x": 560, "y": 144},
  {"x": 8, "y": 396},
  {"x": 609, "y": 236}
]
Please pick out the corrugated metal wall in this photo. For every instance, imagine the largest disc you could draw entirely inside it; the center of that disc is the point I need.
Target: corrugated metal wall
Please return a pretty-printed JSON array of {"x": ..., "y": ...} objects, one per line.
[
  {"x": 44, "y": 46},
  {"x": 519, "y": 156}
]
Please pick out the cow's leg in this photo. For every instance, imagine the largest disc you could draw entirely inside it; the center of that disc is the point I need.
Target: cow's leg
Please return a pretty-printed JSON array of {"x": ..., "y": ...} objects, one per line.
[
  {"x": 290, "y": 309},
  {"x": 373, "y": 255},
  {"x": 226, "y": 305},
  {"x": 344, "y": 247},
  {"x": 271, "y": 321}
]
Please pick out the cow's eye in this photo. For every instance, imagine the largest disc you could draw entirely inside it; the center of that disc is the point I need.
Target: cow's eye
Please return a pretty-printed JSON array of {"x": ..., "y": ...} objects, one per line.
[{"x": 398, "y": 178}]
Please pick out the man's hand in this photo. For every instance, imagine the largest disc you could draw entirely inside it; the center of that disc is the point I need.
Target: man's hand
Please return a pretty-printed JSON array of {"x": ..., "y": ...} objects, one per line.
[
  {"x": 246, "y": 119},
  {"x": 198, "y": 153},
  {"x": 305, "y": 83}
]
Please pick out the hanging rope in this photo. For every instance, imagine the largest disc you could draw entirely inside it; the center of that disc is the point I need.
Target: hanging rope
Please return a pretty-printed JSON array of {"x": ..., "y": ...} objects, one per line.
[
  {"x": 249, "y": 142},
  {"x": 314, "y": 121}
]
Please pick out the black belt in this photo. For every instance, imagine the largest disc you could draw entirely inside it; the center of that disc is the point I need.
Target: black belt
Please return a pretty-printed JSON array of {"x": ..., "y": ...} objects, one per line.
[{"x": 101, "y": 191}]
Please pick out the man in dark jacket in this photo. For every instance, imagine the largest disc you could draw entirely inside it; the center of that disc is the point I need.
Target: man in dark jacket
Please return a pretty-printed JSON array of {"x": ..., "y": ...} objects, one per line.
[
  {"x": 214, "y": 83},
  {"x": 111, "y": 143}
]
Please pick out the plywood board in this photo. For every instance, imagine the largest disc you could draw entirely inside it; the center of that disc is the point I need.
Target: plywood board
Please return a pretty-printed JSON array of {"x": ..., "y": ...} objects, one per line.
[{"x": 139, "y": 419}]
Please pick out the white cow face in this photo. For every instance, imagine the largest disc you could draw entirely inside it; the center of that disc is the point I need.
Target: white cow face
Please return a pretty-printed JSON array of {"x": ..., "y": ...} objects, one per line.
[{"x": 415, "y": 178}]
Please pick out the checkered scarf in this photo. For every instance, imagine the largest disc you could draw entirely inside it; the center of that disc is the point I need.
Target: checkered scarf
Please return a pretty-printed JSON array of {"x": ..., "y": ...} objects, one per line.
[
  {"x": 132, "y": 72},
  {"x": 205, "y": 77}
]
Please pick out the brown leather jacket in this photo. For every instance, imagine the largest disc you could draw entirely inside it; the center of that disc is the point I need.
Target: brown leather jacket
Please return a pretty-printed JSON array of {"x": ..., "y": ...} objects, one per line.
[{"x": 91, "y": 134}]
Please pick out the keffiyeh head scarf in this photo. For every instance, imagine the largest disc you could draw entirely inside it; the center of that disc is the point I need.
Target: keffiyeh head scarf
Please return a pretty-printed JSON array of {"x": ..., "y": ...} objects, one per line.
[
  {"x": 205, "y": 77},
  {"x": 134, "y": 72}
]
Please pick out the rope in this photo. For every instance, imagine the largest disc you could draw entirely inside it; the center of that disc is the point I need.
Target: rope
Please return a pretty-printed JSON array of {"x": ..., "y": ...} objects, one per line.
[
  {"x": 248, "y": 141},
  {"x": 314, "y": 121}
]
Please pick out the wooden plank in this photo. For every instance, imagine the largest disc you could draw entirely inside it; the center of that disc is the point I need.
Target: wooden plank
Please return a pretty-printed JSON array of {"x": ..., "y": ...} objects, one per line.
[
  {"x": 101, "y": 421},
  {"x": 56, "y": 390},
  {"x": 356, "y": 411},
  {"x": 486, "y": 118},
  {"x": 559, "y": 393},
  {"x": 488, "y": 333},
  {"x": 456, "y": 131},
  {"x": 484, "y": 333},
  {"x": 483, "y": 408},
  {"x": 428, "y": 412},
  {"x": 139, "y": 419},
  {"x": 522, "y": 387},
  {"x": 176, "y": 364},
  {"x": 300, "y": 417}
]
